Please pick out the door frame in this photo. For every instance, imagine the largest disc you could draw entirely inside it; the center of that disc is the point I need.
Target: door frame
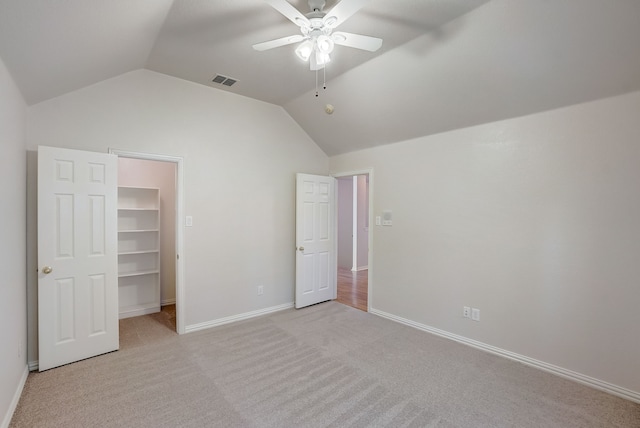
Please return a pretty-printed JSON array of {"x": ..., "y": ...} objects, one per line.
[
  {"x": 369, "y": 172},
  {"x": 180, "y": 306}
]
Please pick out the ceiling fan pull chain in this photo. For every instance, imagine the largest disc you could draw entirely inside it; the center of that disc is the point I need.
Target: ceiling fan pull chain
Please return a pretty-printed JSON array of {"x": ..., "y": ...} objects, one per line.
[
  {"x": 316, "y": 83},
  {"x": 324, "y": 77}
]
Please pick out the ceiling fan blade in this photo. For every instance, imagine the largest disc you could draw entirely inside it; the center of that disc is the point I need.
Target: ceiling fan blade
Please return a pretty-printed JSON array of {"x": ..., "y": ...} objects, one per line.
[
  {"x": 293, "y": 14},
  {"x": 357, "y": 41},
  {"x": 283, "y": 41},
  {"x": 342, "y": 11}
]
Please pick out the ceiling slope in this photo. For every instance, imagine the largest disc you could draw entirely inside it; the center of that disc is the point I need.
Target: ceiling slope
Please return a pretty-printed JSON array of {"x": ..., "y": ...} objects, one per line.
[
  {"x": 505, "y": 59},
  {"x": 54, "y": 47},
  {"x": 203, "y": 38},
  {"x": 444, "y": 64}
]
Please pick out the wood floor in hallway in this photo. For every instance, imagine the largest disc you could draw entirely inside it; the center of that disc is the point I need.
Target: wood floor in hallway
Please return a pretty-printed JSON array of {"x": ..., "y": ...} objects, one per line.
[{"x": 353, "y": 288}]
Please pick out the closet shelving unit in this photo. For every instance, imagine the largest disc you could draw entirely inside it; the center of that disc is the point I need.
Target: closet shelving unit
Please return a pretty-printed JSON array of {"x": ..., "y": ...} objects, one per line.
[{"x": 138, "y": 251}]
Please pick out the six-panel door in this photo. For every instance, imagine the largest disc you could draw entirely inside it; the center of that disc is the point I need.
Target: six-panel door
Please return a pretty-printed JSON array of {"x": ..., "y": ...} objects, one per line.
[
  {"x": 77, "y": 255},
  {"x": 315, "y": 240}
]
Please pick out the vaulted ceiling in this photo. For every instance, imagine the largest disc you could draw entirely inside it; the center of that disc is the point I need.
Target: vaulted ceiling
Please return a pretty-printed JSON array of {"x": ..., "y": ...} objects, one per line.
[{"x": 444, "y": 64}]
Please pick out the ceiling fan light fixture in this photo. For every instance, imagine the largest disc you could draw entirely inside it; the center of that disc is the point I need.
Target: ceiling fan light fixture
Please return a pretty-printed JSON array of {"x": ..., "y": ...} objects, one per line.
[
  {"x": 325, "y": 44},
  {"x": 304, "y": 50},
  {"x": 322, "y": 58},
  {"x": 317, "y": 40}
]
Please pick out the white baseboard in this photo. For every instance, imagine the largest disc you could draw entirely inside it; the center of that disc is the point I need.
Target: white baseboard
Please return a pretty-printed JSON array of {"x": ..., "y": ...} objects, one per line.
[
  {"x": 559, "y": 371},
  {"x": 128, "y": 313},
  {"x": 234, "y": 318},
  {"x": 359, "y": 268},
  {"x": 34, "y": 365},
  {"x": 168, "y": 302},
  {"x": 16, "y": 397}
]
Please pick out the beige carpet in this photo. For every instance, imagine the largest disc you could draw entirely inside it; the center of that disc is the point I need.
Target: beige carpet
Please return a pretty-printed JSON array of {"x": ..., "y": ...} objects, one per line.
[{"x": 328, "y": 365}]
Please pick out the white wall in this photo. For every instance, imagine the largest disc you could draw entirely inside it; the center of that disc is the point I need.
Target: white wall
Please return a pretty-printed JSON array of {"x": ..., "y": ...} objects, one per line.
[
  {"x": 363, "y": 225},
  {"x": 240, "y": 159},
  {"x": 533, "y": 220},
  {"x": 13, "y": 307},
  {"x": 160, "y": 175},
  {"x": 345, "y": 222}
]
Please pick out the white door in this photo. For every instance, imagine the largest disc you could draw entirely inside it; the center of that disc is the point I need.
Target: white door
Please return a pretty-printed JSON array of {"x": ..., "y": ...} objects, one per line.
[
  {"x": 77, "y": 255},
  {"x": 315, "y": 240}
]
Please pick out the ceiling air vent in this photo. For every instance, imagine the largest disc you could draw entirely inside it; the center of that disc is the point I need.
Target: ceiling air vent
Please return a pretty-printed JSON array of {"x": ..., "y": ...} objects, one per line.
[{"x": 223, "y": 80}]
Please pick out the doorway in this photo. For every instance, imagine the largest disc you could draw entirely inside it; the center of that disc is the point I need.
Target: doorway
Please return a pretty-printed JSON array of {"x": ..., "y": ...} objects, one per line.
[
  {"x": 144, "y": 171},
  {"x": 354, "y": 246}
]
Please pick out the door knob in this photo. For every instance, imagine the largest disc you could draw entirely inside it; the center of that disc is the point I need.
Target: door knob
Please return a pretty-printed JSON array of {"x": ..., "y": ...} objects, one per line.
[
  {"x": 47, "y": 270},
  {"x": 301, "y": 249}
]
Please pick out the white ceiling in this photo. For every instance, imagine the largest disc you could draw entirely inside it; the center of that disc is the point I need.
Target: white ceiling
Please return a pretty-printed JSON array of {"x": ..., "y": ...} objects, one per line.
[{"x": 444, "y": 64}]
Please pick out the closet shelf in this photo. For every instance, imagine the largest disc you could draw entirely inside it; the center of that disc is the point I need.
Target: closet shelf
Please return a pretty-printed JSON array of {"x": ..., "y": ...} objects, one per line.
[
  {"x": 138, "y": 273},
  {"x": 128, "y": 253},
  {"x": 138, "y": 251}
]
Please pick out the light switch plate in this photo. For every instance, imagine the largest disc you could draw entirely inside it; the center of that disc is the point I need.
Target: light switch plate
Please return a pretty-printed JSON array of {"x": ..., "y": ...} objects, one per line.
[{"x": 188, "y": 221}]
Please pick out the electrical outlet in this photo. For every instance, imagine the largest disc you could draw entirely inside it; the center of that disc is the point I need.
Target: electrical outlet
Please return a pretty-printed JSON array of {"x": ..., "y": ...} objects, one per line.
[
  {"x": 475, "y": 314},
  {"x": 466, "y": 312},
  {"x": 260, "y": 290}
]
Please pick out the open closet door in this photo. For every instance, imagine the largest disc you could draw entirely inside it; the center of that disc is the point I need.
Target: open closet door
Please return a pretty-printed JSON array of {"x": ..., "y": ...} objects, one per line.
[
  {"x": 315, "y": 239},
  {"x": 77, "y": 255}
]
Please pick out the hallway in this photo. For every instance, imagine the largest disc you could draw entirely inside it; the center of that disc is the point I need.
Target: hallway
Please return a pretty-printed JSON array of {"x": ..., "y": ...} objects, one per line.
[{"x": 353, "y": 288}]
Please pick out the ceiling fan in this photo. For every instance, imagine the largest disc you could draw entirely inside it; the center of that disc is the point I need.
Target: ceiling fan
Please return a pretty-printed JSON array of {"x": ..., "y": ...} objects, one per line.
[{"x": 318, "y": 38}]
